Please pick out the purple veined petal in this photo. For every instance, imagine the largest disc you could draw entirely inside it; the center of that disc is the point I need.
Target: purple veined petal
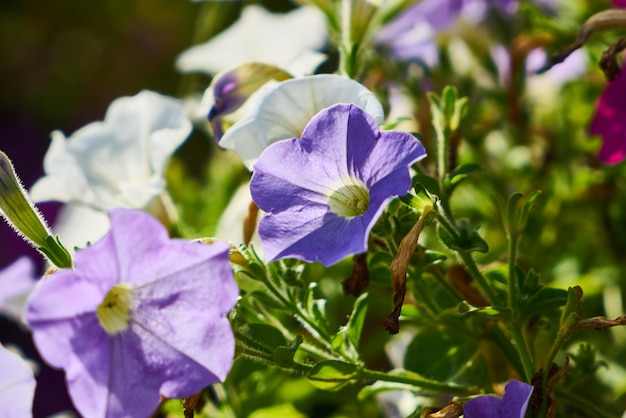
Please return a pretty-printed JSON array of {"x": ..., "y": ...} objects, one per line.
[
  {"x": 512, "y": 405},
  {"x": 515, "y": 399},
  {"x": 341, "y": 159},
  {"x": 315, "y": 240},
  {"x": 51, "y": 297},
  {"x": 166, "y": 333},
  {"x": 485, "y": 406},
  {"x": 17, "y": 385},
  {"x": 276, "y": 194}
]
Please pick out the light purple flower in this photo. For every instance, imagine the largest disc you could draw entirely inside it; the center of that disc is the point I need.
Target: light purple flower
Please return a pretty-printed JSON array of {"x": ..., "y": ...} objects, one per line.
[
  {"x": 512, "y": 405},
  {"x": 139, "y": 317},
  {"x": 411, "y": 35},
  {"x": 16, "y": 282},
  {"x": 610, "y": 121},
  {"x": 17, "y": 385},
  {"x": 324, "y": 191}
]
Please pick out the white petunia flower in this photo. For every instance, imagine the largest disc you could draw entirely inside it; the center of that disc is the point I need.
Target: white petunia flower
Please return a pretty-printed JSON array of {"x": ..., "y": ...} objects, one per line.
[
  {"x": 286, "y": 40},
  {"x": 118, "y": 162},
  {"x": 282, "y": 110}
]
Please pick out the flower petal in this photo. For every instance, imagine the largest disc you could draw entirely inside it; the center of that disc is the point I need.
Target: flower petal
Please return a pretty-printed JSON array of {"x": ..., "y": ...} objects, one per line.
[
  {"x": 609, "y": 121},
  {"x": 117, "y": 162},
  {"x": 266, "y": 42},
  {"x": 294, "y": 179},
  {"x": 515, "y": 399},
  {"x": 283, "y": 111},
  {"x": 17, "y": 385},
  {"x": 16, "y": 282}
]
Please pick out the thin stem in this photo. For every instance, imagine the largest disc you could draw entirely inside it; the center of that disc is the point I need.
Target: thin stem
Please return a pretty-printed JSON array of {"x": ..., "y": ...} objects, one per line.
[
  {"x": 416, "y": 381},
  {"x": 467, "y": 258},
  {"x": 442, "y": 157},
  {"x": 522, "y": 350},
  {"x": 519, "y": 342},
  {"x": 584, "y": 404},
  {"x": 346, "y": 58},
  {"x": 478, "y": 278}
]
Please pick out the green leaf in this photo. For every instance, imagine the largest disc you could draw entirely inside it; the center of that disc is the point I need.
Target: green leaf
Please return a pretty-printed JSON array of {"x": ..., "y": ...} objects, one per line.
[
  {"x": 459, "y": 112},
  {"x": 439, "y": 355},
  {"x": 283, "y": 410},
  {"x": 346, "y": 341},
  {"x": 382, "y": 386},
  {"x": 430, "y": 184},
  {"x": 448, "y": 106},
  {"x": 265, "y": 335},
  {"x": 467, "y": 241},
  {"x": 461, "y": 173},
  {"x": 545, "y": 299},
  {"x": 283, "y": 356},
  {"x": 266, "y": 299},
  {"x": 332, "y": 374},
  {"x": 357, "y": 319}
]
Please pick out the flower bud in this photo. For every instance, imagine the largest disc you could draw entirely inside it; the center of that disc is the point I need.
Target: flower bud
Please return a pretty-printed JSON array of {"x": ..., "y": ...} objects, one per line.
[
  {"x": 20, "y": 212},
  {"x": 233, "y": 87}
]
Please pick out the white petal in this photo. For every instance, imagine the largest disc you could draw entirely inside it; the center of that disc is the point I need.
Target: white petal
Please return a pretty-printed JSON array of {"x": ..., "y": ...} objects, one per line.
[
  {"x": 283, "y": 110},
  {"x": 16, "y": 282},
  {"x": 77, "y": 225},
  {"x": 260, "y": 36},
  {"x": 130, "y": 147}
]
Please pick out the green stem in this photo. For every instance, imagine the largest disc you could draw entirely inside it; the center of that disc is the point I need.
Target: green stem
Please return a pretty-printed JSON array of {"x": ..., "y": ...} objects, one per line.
[
  {"x": 416, "y": 381},
  {"x": 522, "y": 350},
  {"x": 503, "y": 341},
  {"x": 346, "y": 50},
  {"x": 478, "y": 278},
  {"x": 519, "y": 342},
  {"x": 467, "y": 258},
  {"x": 442, "y": 157},
  {"x": 560, "y": 339},
  {"x": 584, "y": 404}
]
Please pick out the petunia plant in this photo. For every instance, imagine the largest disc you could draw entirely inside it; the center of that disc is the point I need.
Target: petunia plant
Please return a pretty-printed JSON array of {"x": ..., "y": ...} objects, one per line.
[{"x": 392, "y": 208}]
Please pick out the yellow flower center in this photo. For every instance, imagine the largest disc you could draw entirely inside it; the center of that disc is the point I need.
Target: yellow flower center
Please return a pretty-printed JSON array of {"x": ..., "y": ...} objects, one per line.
[
  {"x": 114, "y": 311},
  {"x": 350, "y": 199}
]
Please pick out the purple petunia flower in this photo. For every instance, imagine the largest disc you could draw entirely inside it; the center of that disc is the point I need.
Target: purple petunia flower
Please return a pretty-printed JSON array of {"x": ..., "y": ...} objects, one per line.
[
  {"x": 139, "y": 317},
  {"x": 411, "y": 35},
  {"x": 325, "y": 190},
  {"x": 512, "y": 405},
  {"x": 17, "y": 385},
  {"x": 610, "y": 121}
]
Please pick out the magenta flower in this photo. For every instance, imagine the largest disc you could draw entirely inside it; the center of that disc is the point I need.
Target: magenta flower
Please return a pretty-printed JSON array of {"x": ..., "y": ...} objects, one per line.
[
  {"x": 610, "y": 121},
  {"x": 139, "y": 317},
  {"x": 17, "y": 385},
  {"x": 512, "y": 405},
  {"x": 16, "y": 282},
  {"x": 324, "y": 191}
]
